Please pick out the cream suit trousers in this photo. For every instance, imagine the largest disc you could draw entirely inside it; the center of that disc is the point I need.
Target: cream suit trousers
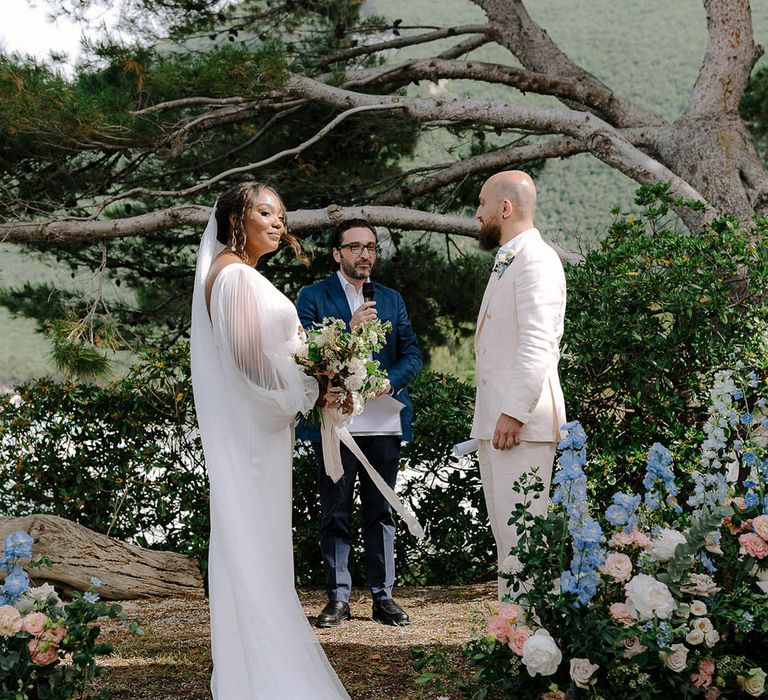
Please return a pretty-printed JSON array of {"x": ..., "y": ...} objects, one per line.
[{"x": 499, "y": 470}]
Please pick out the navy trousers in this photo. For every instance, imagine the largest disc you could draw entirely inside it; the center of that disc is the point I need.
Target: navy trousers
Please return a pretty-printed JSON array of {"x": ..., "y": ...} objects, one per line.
[{"x": 336, "y": 502}]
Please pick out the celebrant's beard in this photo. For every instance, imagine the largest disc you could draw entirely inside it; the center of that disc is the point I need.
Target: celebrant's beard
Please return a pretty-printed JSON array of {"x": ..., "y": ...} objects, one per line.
[
  {"x": 352, "y": 272},
  {"x": 490, "y": 235}
]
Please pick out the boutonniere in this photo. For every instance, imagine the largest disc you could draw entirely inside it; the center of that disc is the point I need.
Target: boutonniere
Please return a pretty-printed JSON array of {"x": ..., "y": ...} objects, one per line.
[{"x": 503, "y": 262}]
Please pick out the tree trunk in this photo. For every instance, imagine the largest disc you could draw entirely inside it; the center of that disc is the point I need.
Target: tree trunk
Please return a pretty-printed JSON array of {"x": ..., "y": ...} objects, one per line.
[{"x": 125, "y": 570}]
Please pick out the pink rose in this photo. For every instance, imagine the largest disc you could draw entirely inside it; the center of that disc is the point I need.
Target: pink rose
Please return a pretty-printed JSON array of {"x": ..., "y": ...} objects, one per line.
[
  {"x": 510, "y": 612},
  {"x": 641, "y": 540},
  {"x": 618, "y": 566},
  {"x": 760, "y": 526},
  {"x": 622, "y": 539},
  {"x": 620, "y": 613},
  {"x": 518, "y": 637},
  {"x": 713, "y": 693},
  {"x": 42, "y": 653},
  {"x": 34, "y": 623},
  {"x": 707, "y": 666},
  {"x": 701, "y": 680},
  {"x": 632, "y": 647},
  {"x": 54, "y": 635},
  {"x": 499, "y": 628},
  {"x": 754, "y": 545}
]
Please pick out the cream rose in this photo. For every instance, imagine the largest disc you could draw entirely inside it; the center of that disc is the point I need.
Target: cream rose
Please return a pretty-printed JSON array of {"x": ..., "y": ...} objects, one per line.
[
  {"x": 10, "y": 621},
  {"x": 583, "y": 673},
  {"x": 540, "y": 654},
  {"x": 754, "y": 684},
  {"x": 704, "y": 624},
  {"x": 695, "y": 637},
  {"x": 632, "y": 647},
  {"x": 711, "y": 638},
  {"x": 618, "y": 566},
  {"x": 647, "y": 597},
  {"x": 676, "y": 659},
  {"x": 698, "y": 608},
  {"x": 664, "y": 544}
]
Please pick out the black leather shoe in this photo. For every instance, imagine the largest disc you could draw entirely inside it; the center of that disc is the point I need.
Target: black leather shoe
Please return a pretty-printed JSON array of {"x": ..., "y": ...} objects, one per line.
[
  {"x": 333, "y": 614},
  {"x": 388, "y": 612}
]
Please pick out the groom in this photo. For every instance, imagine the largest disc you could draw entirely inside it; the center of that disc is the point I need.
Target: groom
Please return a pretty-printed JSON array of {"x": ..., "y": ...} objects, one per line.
[
  {"x": 355, "y": 250},
  {"x": 519, "y": 405}
]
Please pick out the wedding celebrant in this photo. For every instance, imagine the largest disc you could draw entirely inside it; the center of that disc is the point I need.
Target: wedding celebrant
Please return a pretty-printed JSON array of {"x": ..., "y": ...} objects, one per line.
[
  {"x": 519, "y": 404},
  {"x": 248, "y": 390},
  {"x": 378, "y": 431}
]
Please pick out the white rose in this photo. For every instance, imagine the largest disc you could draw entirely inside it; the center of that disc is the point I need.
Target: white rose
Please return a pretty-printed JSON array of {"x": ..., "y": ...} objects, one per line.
[
  {"x": 647, "y": 597},
  {"x": 699, "y": 607},
  {"x": 711, "y": 638},
  {"x": 663, "y": 546},
  {"x": 540, "y": 654},
  {"x": 676, "y": 659},
  {"x": 704, "y": 624},
  {"x": 618, "y": 566},
  {"x": 10, "y": 621},
  {"x": 583, "y": 672},
  {"x": 754, "y": 684},
  {"x": 694, "y": 637},
  {"x": 354, "y": 383}
]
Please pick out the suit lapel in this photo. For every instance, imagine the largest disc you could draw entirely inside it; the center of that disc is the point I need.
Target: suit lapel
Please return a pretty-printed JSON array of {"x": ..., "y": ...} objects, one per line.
[{"x": 336, "y": 294}]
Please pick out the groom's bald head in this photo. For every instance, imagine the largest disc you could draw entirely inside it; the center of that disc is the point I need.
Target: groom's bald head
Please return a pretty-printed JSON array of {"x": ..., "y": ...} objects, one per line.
[{"x": 507, "y": 206}]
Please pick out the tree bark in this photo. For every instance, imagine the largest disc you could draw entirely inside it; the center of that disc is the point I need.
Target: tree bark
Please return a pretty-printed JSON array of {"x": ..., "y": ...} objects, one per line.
[{"x": 125, "y": 570}]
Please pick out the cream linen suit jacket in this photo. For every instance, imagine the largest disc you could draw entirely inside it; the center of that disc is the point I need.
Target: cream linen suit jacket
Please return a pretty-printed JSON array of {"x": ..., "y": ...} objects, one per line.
[{"x": 517, "y": 343}]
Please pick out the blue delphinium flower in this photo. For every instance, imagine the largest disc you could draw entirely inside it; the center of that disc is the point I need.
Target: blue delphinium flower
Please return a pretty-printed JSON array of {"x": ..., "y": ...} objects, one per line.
[
  {"x": 737, "y": 394},
  {"x": 746, "y": 419},
  {"x": 17, "y": 545},
  {"x": 91, "y": 596},
  {"x": 659, "y": 468},
  {"x": 709, "y": 489},
  {"x": 16, "y": 582},
  {"x": 95, "y": 582},
  {"x": 753, "y": 380},
  {"x": 707, "y": 563},
  {"x": 581, "y": 579},
  {"x": 623, "y": 509}
]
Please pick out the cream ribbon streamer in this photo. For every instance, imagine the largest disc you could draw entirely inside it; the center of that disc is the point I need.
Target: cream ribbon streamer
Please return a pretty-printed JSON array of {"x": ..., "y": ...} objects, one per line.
[{"x": 333, "y": 432}]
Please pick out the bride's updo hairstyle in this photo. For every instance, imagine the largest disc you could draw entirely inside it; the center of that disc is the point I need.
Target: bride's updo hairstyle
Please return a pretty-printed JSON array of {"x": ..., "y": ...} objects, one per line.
[{"x": 237, "y": 201}]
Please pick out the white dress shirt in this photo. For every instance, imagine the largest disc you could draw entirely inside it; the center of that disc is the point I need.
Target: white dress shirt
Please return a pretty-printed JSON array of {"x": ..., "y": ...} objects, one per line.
[{"x": 354, "y": 297}]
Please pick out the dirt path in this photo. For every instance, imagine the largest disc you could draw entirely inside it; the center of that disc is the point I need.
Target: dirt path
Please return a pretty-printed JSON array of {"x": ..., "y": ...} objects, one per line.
[{"x": 172, "y": 660}]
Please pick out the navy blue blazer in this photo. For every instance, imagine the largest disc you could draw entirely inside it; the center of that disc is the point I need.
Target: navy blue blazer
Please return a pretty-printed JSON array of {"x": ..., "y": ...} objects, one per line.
[{"x": 400, "y": 356}]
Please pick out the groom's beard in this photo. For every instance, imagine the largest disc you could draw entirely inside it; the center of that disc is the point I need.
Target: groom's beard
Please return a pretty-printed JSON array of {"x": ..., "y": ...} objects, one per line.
[{"x": 490, "y": 235}]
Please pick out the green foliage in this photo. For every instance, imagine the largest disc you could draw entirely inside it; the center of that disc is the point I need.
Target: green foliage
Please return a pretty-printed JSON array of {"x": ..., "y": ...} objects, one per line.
[
  {"x": 754, "y": 108},
  {"x": 122, "y": 459},
  {"x": 650, "y": 314}
]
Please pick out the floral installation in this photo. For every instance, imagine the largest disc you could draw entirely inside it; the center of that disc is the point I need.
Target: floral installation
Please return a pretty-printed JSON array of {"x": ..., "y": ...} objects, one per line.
[
  {"x": 653, "y": 595},
  {"x": 341, "y": 360},
  {"x": 503, "y": 261},
  {"x": 47, "y": 647}
]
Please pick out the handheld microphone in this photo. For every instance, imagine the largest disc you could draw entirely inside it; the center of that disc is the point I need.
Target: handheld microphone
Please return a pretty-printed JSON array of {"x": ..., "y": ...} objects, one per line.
[{"x": 368, "y": 293}]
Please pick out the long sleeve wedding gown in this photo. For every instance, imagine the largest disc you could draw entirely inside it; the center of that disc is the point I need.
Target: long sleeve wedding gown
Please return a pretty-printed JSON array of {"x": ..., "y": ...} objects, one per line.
[{"x": 247, "y": 391}]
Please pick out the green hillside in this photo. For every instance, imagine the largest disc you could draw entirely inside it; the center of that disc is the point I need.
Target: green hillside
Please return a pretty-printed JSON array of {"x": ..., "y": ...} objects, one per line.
[{"x": 648, "y": 51}]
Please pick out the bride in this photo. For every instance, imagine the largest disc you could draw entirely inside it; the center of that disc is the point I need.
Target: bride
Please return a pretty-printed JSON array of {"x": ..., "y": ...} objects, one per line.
[{"x": 248, "y": 389}]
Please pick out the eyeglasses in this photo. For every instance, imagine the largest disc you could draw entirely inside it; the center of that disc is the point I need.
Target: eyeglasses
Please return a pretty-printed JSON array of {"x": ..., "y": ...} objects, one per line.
[{"x": 357, "y": 248}]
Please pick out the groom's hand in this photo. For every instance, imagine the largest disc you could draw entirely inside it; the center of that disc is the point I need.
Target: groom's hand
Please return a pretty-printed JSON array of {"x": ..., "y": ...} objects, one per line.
[{"x": 507, "y": 433}]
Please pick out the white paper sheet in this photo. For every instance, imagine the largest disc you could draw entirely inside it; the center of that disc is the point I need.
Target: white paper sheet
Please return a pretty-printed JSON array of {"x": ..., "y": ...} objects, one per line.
[
  {"x": 464, "y": 448},
  {"x": 381, "y": 416}
]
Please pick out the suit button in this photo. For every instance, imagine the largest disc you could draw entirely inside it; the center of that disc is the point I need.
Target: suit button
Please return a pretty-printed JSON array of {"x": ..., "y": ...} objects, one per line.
[
  {"x": 483, "y": 382},
  {"x": 488, "y": 316}
]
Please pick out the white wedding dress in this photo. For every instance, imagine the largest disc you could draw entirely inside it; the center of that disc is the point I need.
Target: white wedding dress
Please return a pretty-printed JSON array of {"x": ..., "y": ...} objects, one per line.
[{"x": 247, "y": 391}]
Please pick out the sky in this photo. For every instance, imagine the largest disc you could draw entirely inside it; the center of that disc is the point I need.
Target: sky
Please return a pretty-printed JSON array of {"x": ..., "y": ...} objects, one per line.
[{"x": 26, "y": 28}]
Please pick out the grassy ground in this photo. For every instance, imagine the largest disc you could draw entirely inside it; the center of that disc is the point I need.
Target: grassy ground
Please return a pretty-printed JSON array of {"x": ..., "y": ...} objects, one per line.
[{"x": 172, "y": 660}]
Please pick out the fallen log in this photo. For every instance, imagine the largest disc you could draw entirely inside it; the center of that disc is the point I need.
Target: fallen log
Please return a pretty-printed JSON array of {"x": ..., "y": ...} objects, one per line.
[{"x": 126, "y": 571}]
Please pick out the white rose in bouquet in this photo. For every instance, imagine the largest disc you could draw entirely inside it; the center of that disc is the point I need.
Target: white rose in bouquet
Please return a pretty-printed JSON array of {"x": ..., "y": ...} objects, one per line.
[
  {"x": 10, "y": 621},
  {"x": 541, "y": 655},
  {"x": 754, "y": 684},
  {"x": 583, "y": 673},
  {"x": 695, "y": 637},
  {"x": 632, "y": 647},
  {"x": 618, "y": 566},
  {"x": 711, "y": 638},
  {"x": 647, "y": 597},
  {"x": 664, "y": 544},
  {"x": 704, "y": 624},
  {"x": 676, "y": 659},
  {"x": 698, "y": 607}
]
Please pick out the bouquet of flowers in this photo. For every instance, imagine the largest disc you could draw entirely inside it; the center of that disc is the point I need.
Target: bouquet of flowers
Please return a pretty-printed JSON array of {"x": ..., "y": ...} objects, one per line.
[
  {"x": 341, "y": 360},
  {"x": 645, "y": 598},
  {"x": 38, "y": 632}
]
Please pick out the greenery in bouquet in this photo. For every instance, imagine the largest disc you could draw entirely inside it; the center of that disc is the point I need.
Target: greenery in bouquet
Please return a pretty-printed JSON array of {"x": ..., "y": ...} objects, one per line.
[
  {"x": 341, "y": 361},
  {"x": 653, "y": 595},
  {"x": 47, "y": 648}
]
